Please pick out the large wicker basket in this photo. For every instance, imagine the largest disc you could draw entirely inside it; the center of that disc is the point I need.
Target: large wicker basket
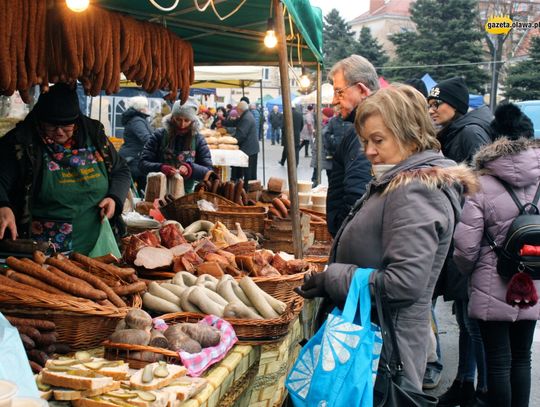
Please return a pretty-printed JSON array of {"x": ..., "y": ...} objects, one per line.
[
  {"x": 250, "y": 217},
  {"x": 80, "y": 323},
  {"x": 250, "y": 331},
  {"x": 185, "y": 209}
]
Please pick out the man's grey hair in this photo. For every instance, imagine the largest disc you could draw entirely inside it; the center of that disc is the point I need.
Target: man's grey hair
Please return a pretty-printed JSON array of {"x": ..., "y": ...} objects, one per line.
[
  {"x": 356, "y": 69},
  {"x": 242, "y": 106}
]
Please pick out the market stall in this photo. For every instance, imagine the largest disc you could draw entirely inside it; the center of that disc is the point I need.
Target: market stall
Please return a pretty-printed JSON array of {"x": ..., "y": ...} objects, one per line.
[{"x": 223, "y": 249}]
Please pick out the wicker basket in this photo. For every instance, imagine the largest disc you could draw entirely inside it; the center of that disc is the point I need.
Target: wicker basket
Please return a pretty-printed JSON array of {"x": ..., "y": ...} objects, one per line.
[
  {"x": 250, "y": 217},
  {"x": 80, "y": 323},
  {"x": 280, "y": 287},
  {"x": 250, "y": 331},
  {"x": 319, "y": 228},
  {"x": 185, "y": 209}
]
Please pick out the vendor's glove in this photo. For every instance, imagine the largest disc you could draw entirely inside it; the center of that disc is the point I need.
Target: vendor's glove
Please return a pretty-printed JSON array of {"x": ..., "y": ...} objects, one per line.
[
  {"x": 168, "y": 170},
  {"x": 314, "y": 286},
  {"x": 185, "y": 170}
]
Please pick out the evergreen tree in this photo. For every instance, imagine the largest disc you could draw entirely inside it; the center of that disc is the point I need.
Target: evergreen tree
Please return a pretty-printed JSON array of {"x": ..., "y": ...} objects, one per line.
[
  {"x": 369, "y": 47},
  {"x": 523, "y": 81},
  {"x": 338, "y": 39},
  {"x": 447, "y": 33}
]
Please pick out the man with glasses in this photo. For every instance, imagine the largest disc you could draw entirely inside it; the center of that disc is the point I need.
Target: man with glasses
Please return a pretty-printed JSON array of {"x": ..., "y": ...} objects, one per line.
[
  {"x": 354, "y": 78},
  {"x": 60, "y": 175}
]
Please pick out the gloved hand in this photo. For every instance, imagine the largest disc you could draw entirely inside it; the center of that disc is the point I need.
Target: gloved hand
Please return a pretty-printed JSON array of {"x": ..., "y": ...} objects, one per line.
[
  {"x": 168, "y": 170},
  {"x": 314, "y": 286}
]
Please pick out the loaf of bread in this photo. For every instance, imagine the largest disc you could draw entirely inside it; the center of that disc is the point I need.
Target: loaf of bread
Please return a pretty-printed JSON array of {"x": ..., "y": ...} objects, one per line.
[
  {"x": 228, "y": 147},
  {"x": 156, "y": 186}
]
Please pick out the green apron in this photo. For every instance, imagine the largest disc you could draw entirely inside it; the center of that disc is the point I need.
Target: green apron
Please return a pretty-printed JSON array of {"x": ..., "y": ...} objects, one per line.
[
  {"x": 66, "y": 211},
  {"x": 178, "y": 157}
]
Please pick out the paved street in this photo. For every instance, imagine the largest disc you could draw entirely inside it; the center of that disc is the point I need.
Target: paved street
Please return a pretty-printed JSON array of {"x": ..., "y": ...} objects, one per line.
[{"x": 447, "y": 323}]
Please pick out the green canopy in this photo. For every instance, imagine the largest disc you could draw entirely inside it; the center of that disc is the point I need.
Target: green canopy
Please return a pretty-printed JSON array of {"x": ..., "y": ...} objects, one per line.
[{"x": 237, "y": 39}]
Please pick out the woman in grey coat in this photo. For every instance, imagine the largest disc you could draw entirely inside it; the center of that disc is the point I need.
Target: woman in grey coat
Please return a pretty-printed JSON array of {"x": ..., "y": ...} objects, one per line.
[
  {"x": 402, "y": 227},
  {"x": 507, "y": 331}
]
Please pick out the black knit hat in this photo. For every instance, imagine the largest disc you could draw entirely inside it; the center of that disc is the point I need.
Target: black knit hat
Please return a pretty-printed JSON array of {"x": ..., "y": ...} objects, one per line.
[
  {"x": 418, "y": 84},
  {"x": 452, "y": 91},
  {"x": 511, "y": 122},
  {"x": 60, "y": 105}
]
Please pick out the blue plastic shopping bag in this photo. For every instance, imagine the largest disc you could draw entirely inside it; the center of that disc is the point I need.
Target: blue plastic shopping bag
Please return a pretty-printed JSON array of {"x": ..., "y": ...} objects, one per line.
[{"x": 337, "y": 366}]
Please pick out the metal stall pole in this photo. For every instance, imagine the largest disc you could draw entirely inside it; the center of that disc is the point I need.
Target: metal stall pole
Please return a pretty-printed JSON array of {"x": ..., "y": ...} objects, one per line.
[
  {"x": 261, "y": 130},
  {"x": 318, "y": 125},
  {"x": 288, "y": 126}
]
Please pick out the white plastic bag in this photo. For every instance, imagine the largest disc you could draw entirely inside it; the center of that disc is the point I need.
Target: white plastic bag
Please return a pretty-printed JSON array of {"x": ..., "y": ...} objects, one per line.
[{"x": 14, "y": 364}]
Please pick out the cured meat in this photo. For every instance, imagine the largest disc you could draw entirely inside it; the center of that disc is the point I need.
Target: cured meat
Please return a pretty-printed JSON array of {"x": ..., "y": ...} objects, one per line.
[
  {"x": 149, "y": 238},
  {"x": 279, "y": 264},
  {"x": 248, "y": 247},
  {"x": 154, "y": 258},
  {"x": 171, "y": 236},
  {"x": 181, "y": 249},
  {"x": 131, "y": 247}
]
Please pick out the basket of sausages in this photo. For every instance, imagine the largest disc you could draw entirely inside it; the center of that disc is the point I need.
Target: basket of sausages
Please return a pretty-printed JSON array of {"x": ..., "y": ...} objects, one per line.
[
  {"x": 186, "y": 210},
  {"x": 84, "y": 297},
  {"x": 255, "y": 314}
]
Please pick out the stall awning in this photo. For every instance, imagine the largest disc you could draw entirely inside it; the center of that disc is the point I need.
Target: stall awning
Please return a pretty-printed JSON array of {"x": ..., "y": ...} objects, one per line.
[
  {"x": 227, "y": 76},
  {"x": 235, "y": 40}
]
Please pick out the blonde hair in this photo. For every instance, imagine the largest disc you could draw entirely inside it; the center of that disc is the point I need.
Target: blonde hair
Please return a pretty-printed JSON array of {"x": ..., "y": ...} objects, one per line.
[{"x": 404, "y": 111}]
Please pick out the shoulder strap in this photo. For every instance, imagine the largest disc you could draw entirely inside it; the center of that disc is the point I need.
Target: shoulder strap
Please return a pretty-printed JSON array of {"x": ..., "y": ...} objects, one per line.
[
  {"x": 512, "y": 194},
  {"x": 385, "y": 321},
  {"x": 520, "y": 206}
]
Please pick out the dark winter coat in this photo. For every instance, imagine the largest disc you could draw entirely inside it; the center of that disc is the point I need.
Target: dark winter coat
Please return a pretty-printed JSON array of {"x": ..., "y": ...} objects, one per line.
[
  {"x": 460, "y": 140},
  {"x": 492, "y": 208},
  {"x": 152, "y": 155},
  {"x": 464, "y": 136},
  {"x": 21, "y": 167},
  {"x": 137, "y": 131},
  {"x": 246, "y": 134},
  {"x": 276, "y": 119},
  {"x": 298, "y": 123},
  {"x": 351, "y": 172},
  {"x": 402, "y": 227}
]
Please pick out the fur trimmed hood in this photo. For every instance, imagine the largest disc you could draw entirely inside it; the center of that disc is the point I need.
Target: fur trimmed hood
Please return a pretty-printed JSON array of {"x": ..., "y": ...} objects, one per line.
[
  {"x": 431, "y": 169},
  {"x": 438, "y": 177},
  {"x": 515, "y": 161},
  {"x": 501, "y": 148}
]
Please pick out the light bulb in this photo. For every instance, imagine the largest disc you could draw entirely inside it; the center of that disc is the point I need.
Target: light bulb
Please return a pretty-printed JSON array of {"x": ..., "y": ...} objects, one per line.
[
  {"x": 305, "y": 82},
  {"x": 270, "y": 39},
  {"x": 78, "y": 5}
]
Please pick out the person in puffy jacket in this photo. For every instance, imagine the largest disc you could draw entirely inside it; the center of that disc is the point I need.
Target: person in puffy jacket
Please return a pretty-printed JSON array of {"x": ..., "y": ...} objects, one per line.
[
  {"x": 178, "y": 147},
  {"x": 403, "y": 225},
  {"x": 137, "y": 131},
  {"x": 461, "y": 134},
  {"x": 507, "y": 331}
]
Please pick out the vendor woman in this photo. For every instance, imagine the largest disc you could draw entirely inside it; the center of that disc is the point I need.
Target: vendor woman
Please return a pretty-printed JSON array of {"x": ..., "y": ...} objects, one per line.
[
  {"x": 178, "y": 147},
  {"x": 59, "y": 175}
]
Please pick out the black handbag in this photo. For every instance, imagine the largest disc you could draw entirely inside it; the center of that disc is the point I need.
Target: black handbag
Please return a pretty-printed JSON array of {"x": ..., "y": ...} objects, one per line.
[{"x": 392, "y": 389}]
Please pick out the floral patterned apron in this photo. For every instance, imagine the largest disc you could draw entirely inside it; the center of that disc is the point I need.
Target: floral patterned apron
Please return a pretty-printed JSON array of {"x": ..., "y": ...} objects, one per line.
[{"x": 66, "y": 211}]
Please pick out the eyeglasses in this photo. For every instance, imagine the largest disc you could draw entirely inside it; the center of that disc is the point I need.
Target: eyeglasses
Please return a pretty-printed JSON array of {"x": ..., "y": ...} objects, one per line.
[
  {"x": 51, "y": 128},
  {"x": 435, "y": 105},
  {"x": 339, "y": 92}
]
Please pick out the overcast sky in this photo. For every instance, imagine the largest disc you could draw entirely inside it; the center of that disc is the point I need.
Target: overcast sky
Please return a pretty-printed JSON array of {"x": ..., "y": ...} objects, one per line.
[{"x": 348, "y": 9}]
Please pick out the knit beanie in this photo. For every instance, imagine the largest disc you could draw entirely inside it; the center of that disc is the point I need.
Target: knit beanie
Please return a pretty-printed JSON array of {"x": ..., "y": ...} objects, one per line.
[
  {"x": 60, "y": 105},
  {"x": 452, "y": 91},
  {"x": 188, "y": 110}
]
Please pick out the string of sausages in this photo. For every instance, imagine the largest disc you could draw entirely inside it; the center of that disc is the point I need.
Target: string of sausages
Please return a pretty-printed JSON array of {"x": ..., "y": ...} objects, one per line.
[{"x": 41, "y": 44}]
